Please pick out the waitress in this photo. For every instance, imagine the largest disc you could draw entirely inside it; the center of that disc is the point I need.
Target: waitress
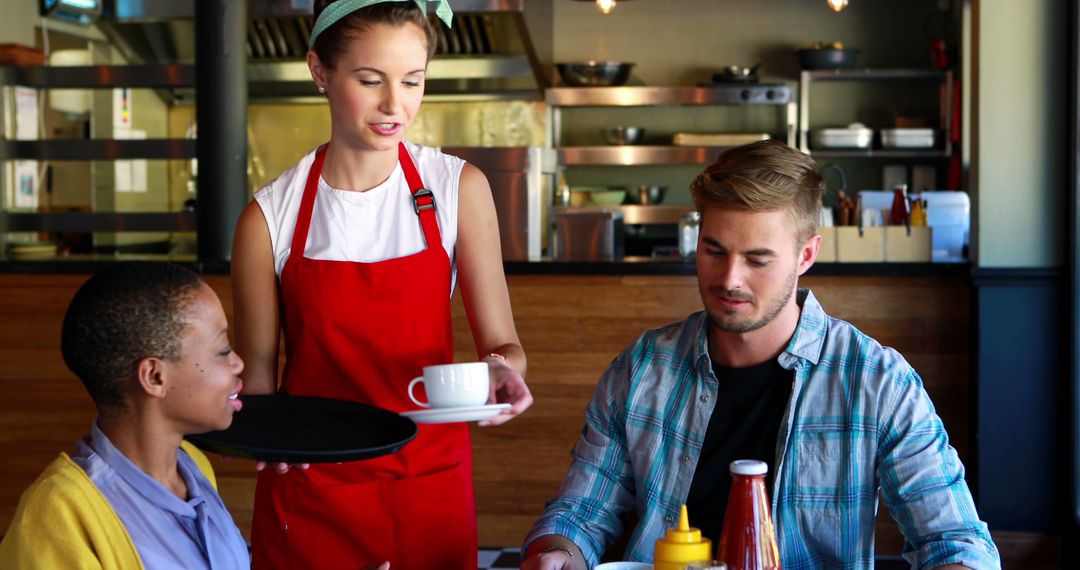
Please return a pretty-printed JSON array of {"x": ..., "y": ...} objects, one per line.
[{"x": 354, "y": 254}]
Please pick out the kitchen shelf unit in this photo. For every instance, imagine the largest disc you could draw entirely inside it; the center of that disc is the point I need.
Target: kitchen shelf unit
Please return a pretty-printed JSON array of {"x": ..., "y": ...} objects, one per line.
[
  {"x": 944, "y": 77},
  {"x": 156, "y": 76},
  {"x": 557, "y": 98},
  {"x": 169, "y": 76},
  {"x": 648, "y": 227}
]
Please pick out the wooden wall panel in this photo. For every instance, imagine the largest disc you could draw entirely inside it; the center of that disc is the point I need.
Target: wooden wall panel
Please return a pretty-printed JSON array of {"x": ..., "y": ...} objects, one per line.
[{"x": 571, "y": 328}]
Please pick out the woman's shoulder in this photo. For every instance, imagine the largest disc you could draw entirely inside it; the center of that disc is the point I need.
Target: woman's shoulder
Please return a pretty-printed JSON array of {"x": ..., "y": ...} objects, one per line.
[
  {"x": 62, "y": 489},
  {"x": 427, "y": 156}
]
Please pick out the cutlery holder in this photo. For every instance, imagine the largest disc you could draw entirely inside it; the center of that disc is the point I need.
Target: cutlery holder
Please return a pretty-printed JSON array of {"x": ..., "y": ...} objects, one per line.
[
  {"x": 827, "y": 248},
  {"x": 851, "y": 247},
  {"x": 911, "y": 245}
]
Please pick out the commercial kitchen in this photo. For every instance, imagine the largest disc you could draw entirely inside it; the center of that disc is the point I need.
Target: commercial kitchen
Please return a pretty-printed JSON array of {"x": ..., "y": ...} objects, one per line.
[{"x": 139, "y": 129}]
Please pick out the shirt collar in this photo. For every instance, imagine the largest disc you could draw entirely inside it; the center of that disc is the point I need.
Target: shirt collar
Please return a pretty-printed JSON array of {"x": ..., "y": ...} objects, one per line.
[
  {"x": 805, "y": 345},
  {"x": 809, "y": 338},
  {"x": 144, "y": 484}
]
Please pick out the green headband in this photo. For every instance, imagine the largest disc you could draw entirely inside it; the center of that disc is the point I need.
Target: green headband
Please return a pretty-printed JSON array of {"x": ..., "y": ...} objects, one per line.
[{"x": 341, "y": 8}]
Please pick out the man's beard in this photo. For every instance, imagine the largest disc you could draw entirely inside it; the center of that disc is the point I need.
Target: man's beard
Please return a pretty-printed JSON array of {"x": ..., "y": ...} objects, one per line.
[{"x": 746, "y": 326}]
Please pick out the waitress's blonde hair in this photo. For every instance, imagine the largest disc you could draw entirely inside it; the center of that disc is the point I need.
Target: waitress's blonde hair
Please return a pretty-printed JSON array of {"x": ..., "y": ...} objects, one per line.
[
  {"x": 765, "y": 175},
  {"x": 336, "y": 39}
]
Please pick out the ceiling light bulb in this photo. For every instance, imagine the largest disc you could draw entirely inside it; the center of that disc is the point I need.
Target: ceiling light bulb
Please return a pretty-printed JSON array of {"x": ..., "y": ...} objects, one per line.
[
  {"x": 836, "y": 5},
  {"x": 606, "y": 6}
]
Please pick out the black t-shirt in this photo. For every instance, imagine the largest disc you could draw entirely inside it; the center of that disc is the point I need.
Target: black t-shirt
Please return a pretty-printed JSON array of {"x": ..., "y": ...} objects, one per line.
[{"x": 745, "y": 424}]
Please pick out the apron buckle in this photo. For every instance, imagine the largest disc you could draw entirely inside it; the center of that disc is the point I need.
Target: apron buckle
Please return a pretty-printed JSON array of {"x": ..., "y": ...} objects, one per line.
[{"x": 420, "y": 194}]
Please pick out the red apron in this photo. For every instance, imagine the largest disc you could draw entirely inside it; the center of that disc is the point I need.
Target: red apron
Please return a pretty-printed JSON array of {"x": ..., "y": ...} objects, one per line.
[{"x": 361, "y": 332}]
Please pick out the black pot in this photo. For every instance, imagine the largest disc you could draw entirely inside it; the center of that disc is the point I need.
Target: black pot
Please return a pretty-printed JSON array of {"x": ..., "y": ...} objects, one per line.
[
  {"x": 828, "y": 58},
  {"x": 595, "y": 73}
]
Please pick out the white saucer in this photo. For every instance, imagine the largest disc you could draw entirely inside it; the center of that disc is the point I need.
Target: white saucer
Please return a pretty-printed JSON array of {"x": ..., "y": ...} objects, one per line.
[{"x": 448, "y": 415}]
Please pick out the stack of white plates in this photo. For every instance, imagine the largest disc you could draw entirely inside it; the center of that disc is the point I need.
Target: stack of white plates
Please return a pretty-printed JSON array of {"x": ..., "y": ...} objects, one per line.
[{"x": 907, "y": 138}]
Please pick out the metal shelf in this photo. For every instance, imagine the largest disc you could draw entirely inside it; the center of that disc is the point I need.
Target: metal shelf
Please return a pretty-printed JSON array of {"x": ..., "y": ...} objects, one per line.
[
  {"x": 634, "y": 214},
  {"x": 943, "y": 76},
  {"x": 98, "y": 149},
  {"x": 637, "y": 155},
  {"x": 880, "y": 153},
  {"x": 86, "y": 222},
  {"x": 877, "y": 74},
  {"x": 654, "y": 96},
  {"x": 100, "y": 76}
]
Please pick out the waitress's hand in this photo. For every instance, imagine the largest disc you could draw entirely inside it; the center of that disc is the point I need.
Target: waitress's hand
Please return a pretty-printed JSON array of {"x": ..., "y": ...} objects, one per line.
[
  {"x": 507, "y": 387},
  {"x": 280, "y": 467}
]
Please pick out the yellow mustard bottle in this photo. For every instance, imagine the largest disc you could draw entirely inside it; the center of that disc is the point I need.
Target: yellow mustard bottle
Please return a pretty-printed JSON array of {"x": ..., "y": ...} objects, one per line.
[
  {"x": 681, "y": 545},
  {"x": 918, "y": 214}
]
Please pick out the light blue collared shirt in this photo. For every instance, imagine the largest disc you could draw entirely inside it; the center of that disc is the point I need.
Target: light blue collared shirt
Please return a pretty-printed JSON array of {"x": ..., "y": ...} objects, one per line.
[
  {"x": 168, "y": 532},
  {"x": 858, "y": 423}
]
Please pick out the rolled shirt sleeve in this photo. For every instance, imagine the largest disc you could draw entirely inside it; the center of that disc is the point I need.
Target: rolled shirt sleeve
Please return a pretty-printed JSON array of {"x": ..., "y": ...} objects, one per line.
[
  {"x": 922, "y": 482},
  {"x": 598, "y": 489}
]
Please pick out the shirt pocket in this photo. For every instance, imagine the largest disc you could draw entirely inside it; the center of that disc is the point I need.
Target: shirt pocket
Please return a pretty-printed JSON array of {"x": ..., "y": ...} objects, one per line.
[{"x": 833, "y": 495}]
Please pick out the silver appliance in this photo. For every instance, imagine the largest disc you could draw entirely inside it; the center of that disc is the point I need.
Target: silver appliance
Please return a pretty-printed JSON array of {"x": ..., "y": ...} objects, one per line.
[
  {"x": 588, "y": 235},
  {"x": 522, "y": 179}
]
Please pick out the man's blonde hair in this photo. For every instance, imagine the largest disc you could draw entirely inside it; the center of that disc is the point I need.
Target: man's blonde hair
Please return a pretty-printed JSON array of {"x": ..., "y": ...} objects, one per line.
[{"x": 766, "y": 175}]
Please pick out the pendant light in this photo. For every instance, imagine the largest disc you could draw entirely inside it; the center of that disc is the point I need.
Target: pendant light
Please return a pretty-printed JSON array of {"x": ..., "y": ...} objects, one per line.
[
  {"x": 836, "y": 5},
  {"x": 605, "y": 6}
]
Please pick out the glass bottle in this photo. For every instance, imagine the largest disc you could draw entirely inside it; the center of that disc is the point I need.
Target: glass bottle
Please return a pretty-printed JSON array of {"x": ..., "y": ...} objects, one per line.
[
  {"x": 689, "y": 225},
  {"x": 748, "y": 540},
  {"x": 898, "y": 214},
  {"x": 562, "y": 190},
  {"x": 918, "y": 213}
]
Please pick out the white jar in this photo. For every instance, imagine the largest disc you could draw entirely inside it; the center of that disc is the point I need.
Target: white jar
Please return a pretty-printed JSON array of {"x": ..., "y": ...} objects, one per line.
[{"x": 689, "y": 224}]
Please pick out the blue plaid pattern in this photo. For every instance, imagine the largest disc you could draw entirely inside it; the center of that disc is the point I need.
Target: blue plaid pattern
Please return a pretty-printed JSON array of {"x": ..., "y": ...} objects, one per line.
[{"x": 858, "y": 423}]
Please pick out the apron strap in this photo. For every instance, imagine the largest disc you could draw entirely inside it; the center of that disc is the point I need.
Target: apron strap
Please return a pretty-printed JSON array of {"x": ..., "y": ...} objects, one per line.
[
  {"x": 307, "y": 204},
  {"x": 423, "y": 199}
]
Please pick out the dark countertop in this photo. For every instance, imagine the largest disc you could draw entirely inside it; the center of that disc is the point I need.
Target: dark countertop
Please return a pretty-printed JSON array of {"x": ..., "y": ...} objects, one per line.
[{"x": 627, "y": 266}]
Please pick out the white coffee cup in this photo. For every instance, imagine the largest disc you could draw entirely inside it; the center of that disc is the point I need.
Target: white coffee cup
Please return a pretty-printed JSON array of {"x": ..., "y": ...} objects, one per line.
[{"x": 453, "y": 385}]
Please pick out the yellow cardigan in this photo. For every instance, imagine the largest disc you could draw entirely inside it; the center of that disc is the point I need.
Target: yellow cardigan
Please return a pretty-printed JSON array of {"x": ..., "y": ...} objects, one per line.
[{"x": 63, "y": 521}]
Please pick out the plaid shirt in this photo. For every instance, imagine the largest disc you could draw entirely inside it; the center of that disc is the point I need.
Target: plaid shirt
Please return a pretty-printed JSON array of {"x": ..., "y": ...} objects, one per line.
[{"x": 858, "y": 422}]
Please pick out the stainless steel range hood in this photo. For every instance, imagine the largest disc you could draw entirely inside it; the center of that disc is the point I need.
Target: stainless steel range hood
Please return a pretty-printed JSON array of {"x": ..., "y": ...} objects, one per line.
[{"x": 487, "y": 54}]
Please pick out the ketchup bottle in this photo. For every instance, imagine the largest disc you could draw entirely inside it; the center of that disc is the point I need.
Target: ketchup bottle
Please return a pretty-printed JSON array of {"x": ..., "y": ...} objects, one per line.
[
  {"x": 748, "y": 541},
  {"x": 898, "y": 214}
]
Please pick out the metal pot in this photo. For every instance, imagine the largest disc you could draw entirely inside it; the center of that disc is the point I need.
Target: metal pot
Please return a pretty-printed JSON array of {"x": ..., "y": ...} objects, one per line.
[
  {"x": 646, "y": 195},
  {"x": 736, "y": 73},
  {"x": 594, "y": 73},
  {"x": 828, "y": 58},
  {"x": 623, "y": 135}
]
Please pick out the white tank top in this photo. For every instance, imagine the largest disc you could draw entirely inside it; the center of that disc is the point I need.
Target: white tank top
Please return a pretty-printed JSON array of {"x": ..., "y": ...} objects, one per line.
[{"x": 370, "y": 226}]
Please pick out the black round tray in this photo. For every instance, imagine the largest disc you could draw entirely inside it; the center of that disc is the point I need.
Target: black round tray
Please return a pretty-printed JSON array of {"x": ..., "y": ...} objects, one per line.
[{"x": 302, "y": 429}]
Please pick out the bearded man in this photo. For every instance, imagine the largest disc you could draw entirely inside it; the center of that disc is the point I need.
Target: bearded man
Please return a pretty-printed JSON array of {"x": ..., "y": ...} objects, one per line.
[{"x": 762, "y": 373}]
